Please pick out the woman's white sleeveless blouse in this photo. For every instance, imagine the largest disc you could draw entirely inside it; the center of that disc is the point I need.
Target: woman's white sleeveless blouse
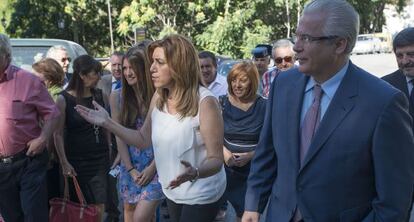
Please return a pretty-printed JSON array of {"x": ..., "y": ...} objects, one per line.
[{"x": 176, "y": 139}]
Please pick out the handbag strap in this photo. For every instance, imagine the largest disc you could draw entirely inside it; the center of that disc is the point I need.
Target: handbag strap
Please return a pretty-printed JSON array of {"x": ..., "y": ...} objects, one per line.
[{"x": 78, "y": 190}]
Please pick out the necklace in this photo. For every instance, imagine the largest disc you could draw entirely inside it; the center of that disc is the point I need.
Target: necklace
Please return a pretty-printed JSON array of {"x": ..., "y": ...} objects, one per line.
[{"x": 95, "y": 127}]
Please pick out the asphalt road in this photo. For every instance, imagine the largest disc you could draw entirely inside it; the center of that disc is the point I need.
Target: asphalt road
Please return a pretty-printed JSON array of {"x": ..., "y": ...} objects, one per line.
[{"x": 377, "y": 64}]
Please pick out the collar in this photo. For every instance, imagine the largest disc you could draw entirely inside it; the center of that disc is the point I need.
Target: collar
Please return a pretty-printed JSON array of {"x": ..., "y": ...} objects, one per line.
[
  {"x": 408, "y": 79},
  {"x": 114, "y": 80},
  {"x": 216, "y": 81},
  {"x": 330, "y": 86}
]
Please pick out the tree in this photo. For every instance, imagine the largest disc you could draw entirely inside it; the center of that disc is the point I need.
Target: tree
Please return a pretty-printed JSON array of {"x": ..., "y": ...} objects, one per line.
[{"x": 85, "y": 22}]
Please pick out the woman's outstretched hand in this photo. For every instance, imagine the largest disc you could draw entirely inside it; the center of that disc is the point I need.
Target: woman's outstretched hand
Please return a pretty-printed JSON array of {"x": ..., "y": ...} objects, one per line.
[
  {"x": 189, "y": 174},
  {"x": 97, "y": 116}
]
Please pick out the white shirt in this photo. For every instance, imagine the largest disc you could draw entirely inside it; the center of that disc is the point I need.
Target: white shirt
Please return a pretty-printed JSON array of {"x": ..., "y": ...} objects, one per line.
[
  {"x": 176, "y": 139},
  {"x": 219, "y": 86}
]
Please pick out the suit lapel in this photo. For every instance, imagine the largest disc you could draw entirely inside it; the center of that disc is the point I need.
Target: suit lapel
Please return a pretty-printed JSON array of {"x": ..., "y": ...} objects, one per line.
[
  {"x": 401, "y": 83},
  {"x": 341, "y": 104},
  {"x": 293, "y": 111}
]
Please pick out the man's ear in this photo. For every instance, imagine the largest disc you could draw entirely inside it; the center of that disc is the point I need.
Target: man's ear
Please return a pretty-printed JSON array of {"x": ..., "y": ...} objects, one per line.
[{"x": 341, "y": 44}]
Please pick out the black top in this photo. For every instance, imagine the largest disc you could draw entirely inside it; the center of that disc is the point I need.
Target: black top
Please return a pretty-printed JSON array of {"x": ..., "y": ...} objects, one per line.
[
  {"x": 242, "y": 128},
  {"x": 84, "y": 152}
]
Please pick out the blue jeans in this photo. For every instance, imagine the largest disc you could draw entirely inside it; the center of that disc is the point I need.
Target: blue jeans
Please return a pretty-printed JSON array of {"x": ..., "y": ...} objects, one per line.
[{"x": 23, "y": 189}]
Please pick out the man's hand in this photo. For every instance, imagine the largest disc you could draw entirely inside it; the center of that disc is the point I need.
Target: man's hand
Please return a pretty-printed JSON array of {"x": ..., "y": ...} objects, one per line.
[
  {"x": 250, "y": 216},
  {"x": 36, "y": 146}
]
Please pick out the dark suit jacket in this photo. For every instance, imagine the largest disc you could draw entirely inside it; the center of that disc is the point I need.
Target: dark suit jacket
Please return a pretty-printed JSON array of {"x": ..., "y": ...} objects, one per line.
[
  {"x": 359, "y": 167},
  {"x": 398, "y": 80}
]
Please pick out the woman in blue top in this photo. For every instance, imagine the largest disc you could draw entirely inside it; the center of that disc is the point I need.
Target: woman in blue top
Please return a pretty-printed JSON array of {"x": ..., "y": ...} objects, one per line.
[
  {"x": 138, "y": 183},
  {"x": 243, "y": 116}
]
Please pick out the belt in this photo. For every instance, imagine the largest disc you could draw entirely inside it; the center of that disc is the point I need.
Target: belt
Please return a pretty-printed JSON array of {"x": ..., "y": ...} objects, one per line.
[{"x": 13, "y": 158}]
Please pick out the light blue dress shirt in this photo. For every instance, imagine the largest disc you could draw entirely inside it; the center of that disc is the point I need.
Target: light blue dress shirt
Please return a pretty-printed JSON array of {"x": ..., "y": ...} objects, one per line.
[{"x": 329, "y": 88}]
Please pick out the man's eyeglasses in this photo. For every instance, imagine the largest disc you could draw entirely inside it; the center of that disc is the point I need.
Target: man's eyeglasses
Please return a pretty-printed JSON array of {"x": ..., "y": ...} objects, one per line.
[
  {"x": 66, "y": 59},
  {"x": 307, "y": 38},
  {"x": 279, "y": 60}
]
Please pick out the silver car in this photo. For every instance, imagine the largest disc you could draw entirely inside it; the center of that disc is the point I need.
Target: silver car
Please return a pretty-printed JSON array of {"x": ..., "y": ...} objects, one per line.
[
  {"x": 367, "y": 44},
  {"x": 25, "y": 52}
]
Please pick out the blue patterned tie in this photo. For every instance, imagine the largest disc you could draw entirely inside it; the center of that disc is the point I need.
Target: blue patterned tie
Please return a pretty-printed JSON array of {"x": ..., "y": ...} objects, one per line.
[{"x": 117, "y": 84}]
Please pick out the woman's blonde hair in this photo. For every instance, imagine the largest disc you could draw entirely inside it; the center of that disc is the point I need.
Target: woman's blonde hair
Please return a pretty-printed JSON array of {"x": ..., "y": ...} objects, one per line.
[
  {"x": 182, "y": 59},
  {"x": 245, "y": 68}
]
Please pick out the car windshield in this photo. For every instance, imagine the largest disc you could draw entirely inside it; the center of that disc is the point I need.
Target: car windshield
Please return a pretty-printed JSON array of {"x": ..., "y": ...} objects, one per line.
[
  {"x": 25, "y": 56},
  {"x": 225, "y": 67}
]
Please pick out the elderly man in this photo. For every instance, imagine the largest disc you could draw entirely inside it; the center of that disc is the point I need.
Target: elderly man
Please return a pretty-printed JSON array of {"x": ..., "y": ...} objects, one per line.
[
  {"x": 284, "y": 58},
  {"x": 60, "y": 54},
  {"x": 24, "y": 101},
  {"x": 217, "y": 84},
  {"x": 337, "y": 143}
]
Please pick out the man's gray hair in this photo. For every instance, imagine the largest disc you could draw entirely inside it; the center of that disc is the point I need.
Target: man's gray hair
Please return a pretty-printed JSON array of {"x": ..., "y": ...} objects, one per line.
[
  {"x": 281, "y": 43},
  {"x": 5, "y": 47},
  {"x": 341, "y": 19},
  {"x": 52, "y": 51}
]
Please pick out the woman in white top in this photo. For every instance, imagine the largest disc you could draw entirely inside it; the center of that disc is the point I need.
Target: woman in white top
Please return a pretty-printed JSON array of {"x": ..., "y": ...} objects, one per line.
[{"x": 185, "y": 127}]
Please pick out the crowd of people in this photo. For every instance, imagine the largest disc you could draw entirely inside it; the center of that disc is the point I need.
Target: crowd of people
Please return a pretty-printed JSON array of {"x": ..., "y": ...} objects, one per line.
[{"x": 312, "y": 138}]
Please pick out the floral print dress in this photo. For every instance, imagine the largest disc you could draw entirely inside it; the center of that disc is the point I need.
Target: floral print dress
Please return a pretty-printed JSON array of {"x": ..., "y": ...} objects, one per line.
[{"x": 131, "y": 192}]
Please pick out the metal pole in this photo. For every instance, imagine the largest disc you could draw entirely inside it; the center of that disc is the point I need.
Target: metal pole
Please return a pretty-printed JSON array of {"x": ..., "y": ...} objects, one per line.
[{"x": 110, "y": 25}]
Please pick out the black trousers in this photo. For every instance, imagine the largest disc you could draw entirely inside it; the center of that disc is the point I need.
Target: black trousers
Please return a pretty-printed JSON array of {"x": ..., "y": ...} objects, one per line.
[
  {"x": 23, "y": 192},
  {"x": 191, "y": 213},
  {"x": 111, "y": 205}
]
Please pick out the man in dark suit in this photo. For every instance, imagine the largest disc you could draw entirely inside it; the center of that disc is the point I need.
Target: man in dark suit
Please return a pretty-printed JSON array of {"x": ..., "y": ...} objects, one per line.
[
  {"x": 107, "y": 84},
  {"x": 402, "y": 79},
  {"x": 337, "y": 143}
]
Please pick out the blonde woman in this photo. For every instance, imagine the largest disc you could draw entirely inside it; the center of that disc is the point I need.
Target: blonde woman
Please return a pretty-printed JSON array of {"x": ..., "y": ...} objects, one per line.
[{"x": 185, "y": 127}]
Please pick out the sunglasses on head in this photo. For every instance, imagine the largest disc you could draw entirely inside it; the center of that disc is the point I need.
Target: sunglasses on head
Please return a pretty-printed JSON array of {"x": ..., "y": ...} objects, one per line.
[
  {"x": 279, "y": 60},
  {"x": 66, "y": 59}
]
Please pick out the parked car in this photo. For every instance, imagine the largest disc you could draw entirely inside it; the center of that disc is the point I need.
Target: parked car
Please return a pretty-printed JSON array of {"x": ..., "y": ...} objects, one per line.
[
  {"x": 221, "y": 58},
  {"x": 367, "y": 44},
  {"x": 225, "y": 67},
  {"x": 27, "y": 51}
]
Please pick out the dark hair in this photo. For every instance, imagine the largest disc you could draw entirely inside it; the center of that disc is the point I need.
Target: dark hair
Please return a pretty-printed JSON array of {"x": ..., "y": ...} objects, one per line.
[
  {"x": 403, "y": 38},
  {"x": 51, "y": 70},
  {"x": 208, "y": 54},
  {"x": 136, "y": 99},
  {"x": 82, "y": 65}
]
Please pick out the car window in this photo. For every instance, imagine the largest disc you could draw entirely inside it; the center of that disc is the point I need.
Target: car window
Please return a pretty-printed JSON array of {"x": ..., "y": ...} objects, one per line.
[
  {"x": 25, "y": 56},
  {"x": 78, "y": 50}
]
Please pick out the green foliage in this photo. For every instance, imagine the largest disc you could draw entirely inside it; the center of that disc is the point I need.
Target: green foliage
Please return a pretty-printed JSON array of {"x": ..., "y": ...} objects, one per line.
[
  {"x": 229, "y": 27},
  {"x": 85, "y": 22}
]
